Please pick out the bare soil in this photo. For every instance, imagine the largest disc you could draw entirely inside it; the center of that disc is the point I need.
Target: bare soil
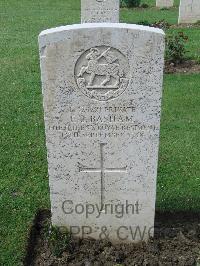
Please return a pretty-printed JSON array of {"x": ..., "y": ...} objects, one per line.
[
  {"x": 187, "y": 67},
  {"x": 185, "y": 26},
  {"x": 176, "y": 242}
]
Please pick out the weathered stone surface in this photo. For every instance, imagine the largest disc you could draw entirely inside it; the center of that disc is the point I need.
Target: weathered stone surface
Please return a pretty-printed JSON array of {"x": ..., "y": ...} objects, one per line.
[
  {"x": 102, "y": 88},
  {"x": 99, "y": 11},
  {"x": 189, "y": 11},
  {"x": 164, "y": 3}
]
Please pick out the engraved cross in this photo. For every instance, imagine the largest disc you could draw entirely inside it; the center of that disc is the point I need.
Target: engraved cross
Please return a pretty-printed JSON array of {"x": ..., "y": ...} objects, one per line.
[{"x": 102, "y": 170}]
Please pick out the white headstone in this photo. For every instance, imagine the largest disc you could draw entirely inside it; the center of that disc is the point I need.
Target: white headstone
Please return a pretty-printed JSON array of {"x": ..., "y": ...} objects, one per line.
[
  {"x": 189, "y": 11},
  {"x": 102, "y": 87},
  {"x": 164, "y": 3},
  {"x": 99, "y": 11}
]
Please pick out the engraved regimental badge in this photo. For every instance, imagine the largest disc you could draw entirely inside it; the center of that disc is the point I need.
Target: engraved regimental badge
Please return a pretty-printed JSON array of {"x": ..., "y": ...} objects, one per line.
[{"x": 102, "y": 73}]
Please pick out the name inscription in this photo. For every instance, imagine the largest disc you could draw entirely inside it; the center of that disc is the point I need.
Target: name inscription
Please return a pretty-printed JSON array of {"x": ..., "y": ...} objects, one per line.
[{"x": 102, "y": 121}]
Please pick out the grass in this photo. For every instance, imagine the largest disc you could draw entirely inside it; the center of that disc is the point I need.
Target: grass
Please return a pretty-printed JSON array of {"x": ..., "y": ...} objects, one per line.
[
  {"x": 179, "y": 167},
  {"x": 151, "y": 14},
  {"x": 23, "y": 165}
]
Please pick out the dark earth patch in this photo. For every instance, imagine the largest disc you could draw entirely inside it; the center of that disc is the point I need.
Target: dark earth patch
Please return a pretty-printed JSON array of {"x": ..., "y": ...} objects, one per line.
[
  {"x": 187, "y": 67},
  {"x": 185, "y": 26},
  {"x": 176, "y": 242}
]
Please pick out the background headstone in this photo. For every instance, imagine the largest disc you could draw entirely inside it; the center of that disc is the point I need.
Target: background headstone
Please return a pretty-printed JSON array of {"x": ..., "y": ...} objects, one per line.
[
  {"x": 102, "y": 88},
  {"x": 99, "y": 11},
  {"x": 164, "y": 3},
  {"x": 189, "y": 11}
]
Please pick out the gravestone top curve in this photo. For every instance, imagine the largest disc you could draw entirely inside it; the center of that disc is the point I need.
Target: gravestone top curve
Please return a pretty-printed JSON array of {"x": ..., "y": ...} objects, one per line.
[{"x": 57, "y": 34}]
